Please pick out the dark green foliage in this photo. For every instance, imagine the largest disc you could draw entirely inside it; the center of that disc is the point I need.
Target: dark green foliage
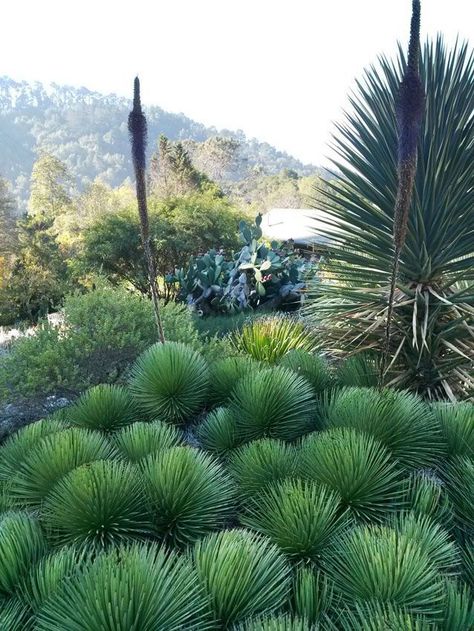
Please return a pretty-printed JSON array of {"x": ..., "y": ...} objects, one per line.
[
  {"x": 300, "y": 517},
  {"x": 357, "y": 467},
  {"x": 275, "y": 403},
  {"x": 189, "y": 492},
  {"x": 425, "y": 495},
  {"x": 138, "y": 588},
  {"x": 14, "y": 615},
  {"x": 458, "y": 610},
  {"x": 106, "y": 408},
  {"x": 242, "y": 574},
  {"x": 361, "y": 370},
  {"x": 277, "y": 623},
  {"x": 313, "y": 595},
  {"x": 381, "y": 617},
  {"x": 312, "y": 367},
  {"x": 218, "y": 432},
  {"x": 459, "y": 478},
  {"x": 97, "y": 505},
  {"x": 142, "y": 439},
  {"x": 457, "y": 426},
  {"x": 170, "y": 382},
  {"x": 224, "y": 375}
]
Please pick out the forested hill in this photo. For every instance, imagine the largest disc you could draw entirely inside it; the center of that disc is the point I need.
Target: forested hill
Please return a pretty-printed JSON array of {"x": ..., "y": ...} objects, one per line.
[{"x": 88, "y": 131}]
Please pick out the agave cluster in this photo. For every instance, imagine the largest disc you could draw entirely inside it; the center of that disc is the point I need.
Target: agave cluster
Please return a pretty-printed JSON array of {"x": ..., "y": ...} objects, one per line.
[{"x": 279, "y": 497}]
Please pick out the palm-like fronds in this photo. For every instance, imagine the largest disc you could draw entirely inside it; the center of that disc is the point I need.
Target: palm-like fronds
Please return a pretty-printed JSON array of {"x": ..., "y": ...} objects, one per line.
[
  {"x": 361, "y": 370},
  {"x": 142, "y": 439},
  {"x": 313, "y": 595},
  {"x": 457, "y": 426},
  {"x": 189, "y": 491},
  {"x": 138, "y": 588},
  {"x": 300, "y": 517},
  {"x": 275, "y": 402},
  {"x": 278, "y": 623},
  {"x": 54, "y": 457},
  {"x": 105, "y": 407},
  {"x": 242, "y": 575},
  {"x": 458, "y": 610},
  {"x": 14, "y": 616},
  {"x": 381, "y": 617},
  {"x": 170, "y": 382},
  {"x": 379, "y": 564},
  {"x": 402, "y": 422},
  {"x": 261, "y": 463},
  {"x": 459, "y": 478},
  {"x": 225, "y": 373},
  {"x": 432, "y": 343},
  {"x": 357, "y": 467},
  {"x": 96, "y": 505},
  {"x": 425, "y": 495},
  {"x": 467, "y": 557},
  {"x": 21, "y": 544},
  {"x": 269, "y": 339},
  {"x": 218, "y": 432},
  {"x": 310, "y": 366}
]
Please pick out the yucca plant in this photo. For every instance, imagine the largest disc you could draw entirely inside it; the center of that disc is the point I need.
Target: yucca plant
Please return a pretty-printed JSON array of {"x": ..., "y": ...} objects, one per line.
[
  {"x": 467, "y": 557},
  {"x": 278, "y": 623},
  {"x": 300, "y": 517},
  {"x": 142, "y": 439},
  {"x": 190, "y": 493},
  {"x": 269, "y": 339},
  {"x": 170, "y": 381},
  {"x": 457, "y": 426},
  {"x": 378, "y": 564},
  {"x": 275, "y": 403},
  {"x": 225, "y": 373},
  {"x": 104, "y": 407},
  {"x": 54, "y": 457},
  {"x": 402, "y": 422},
  {"x": 137, "y": 588},
  {"x": 310, "y": 366},
  {"x": 458, "y": 610},
  {"x": 361, "y": 370},
  {"x": 218, "y": 432},
  {"x": 381, "y": 617},
  {"x": 425, "y": 495},
  {"x": 432, "y": 340},
  {"x": 97, "y": 505},
  {"x": 357, "y": 467},
  {"x": 242, "y": 575},
  {"x": 459, "y": 478},
  {"x": 261, "y": 463},
  {"x": 14, "y": 616},
  {"x": 313, "y": 595},
  {"x": 22, "y": 543}
]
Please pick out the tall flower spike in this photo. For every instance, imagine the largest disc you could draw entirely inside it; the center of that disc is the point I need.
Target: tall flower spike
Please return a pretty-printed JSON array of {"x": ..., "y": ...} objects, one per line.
[{"x": 137, "y": 128}]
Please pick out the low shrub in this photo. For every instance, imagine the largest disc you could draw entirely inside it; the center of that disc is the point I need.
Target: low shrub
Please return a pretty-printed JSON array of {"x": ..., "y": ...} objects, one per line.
[
  {"x": 310, "y": 366},
  {"x": 105, "y": 408},
  {"x": 139, "y": 440},
  {"x": 218, "y": 432},
  {"x": 313, "y": 595},
  {"x": 224, "y": 375}
]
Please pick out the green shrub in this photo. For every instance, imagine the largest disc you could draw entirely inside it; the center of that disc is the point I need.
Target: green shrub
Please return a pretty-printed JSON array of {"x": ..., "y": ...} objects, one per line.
[
  {"x": 189, "y": 492},
  {"x": 361, "y": 370},
  {"x": 142, "y": 439},
  {"x": 14, "y": 615},
  {"x": 459, "y": 478},
  {"x": 457, "y": 426},
  {"x": 225, "y": 373},
  {"x": 277, "y": 623},
  {"x": 312, "y": 367},
  {"x": 105, "y": 408},
  {"x": 260, "y": 463},
  {"x": 242, "y": 574},
  {"x": 138, "y": 588},
  {"x": 357, "y": 467},
  {"x": 313, "y": 595},
  {"x": 269, "y": 339},
  {"x": 425, "y": 495},
  {"x": 300, "y": 517},
  {"x": 98, "y": 504},
  {"x": 458, "y": 609},
  {"x": 218, "y": 432},
  {"x": 382, "y": 617},
  {"x": 170, "y": 381},
  {"x": 467, "y": 558},
  {"x": 275, "y": 402},
  {"x": 55, "y": 456},
  {"x": 402, "y": 422}
]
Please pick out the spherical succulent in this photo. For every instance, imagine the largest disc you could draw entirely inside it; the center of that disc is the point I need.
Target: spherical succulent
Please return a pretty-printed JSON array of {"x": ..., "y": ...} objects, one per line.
[
  {"x": 312, "y": 367},
  {"x": 357, "y": 467},
  {"x": 104, "y": 407},
  {"x": 190, "y": 493},
  {"x": 459, "y": 479},
  {"x": 142, "y": 439},
  {"x": 218, "y": 432},
  {"x": 225, "y": 373},
  {"x": 457, "y": 427},
  {"x": 98, "y": 504},
  {"x": 275, "y": 403},
  {"x": 137, "y": 588},
  {"x": 300, "y": 517},
  {"x": 170, "y": 382},
  {"x": 361, "y": 370},
  {"x": 424, "y": 494},
  {"x": 242, "y": 574}
]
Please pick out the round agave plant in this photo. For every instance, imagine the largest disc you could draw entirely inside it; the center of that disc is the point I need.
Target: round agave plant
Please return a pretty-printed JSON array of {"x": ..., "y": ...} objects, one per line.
[
  {"x": 278, "y": 623},
  {"x": 425, "y": 495},
  {"x": 457, "y": 426},
  {"x": 313, "y": 595},
  {"x": 170, "y": 382},
  {"x": 312, "y": 367},
  {"x": 225, "y": 373},
  {"x": 218, "y": 432},
  {"x": 104, "y": 407},
  {"x": 459, "y": 479},
  {"x": 379, "y": 617},
  {"x": 142, "y": 439},
  {"x": 458, "y": 608}
]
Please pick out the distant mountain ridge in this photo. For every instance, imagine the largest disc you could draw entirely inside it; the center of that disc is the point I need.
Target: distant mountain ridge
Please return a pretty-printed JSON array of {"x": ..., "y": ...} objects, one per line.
[{"x": 88, "y": 131}]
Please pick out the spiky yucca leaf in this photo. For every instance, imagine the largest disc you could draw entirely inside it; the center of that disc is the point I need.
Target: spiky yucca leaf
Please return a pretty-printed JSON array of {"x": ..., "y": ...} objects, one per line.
[
  {"x": 457, "y": 426},
  {"x": 14, "y": 616},
  {"x": 261, "y": 463},
  {"x": 142, "y": 439},
  {"x": 425, "y": 495},
  {"x": 313, "y": 595},
  {"x": 361, "y": 370},
  {"x": 459, "y": 478},
  {"x": 381, "y": 617},
  {"x": 467, "y": 557},
  {"x": 402, "y": 422},
  {"x": 98, "y": 504},
  {"x": 275, "y": 403},
  {"x": 190, "y": 493},
  {"x": 379, "y": 564},
  {"x": 278, "y": 623},
  {"x": 357, "y": 467},
  {"x": 269, "y": 339},
  {"x": 458, "y": 610},
  {"x": 170, "y": 382},
  {"x": 137, "y": 588},
  {"x": 300, "y": 517},
  {"x": 218, "y": 432},
  {"x": 104, "y": 407},
  {"x": 242, "y": 574},
  {"x": 54, "y": 457},
  {"x": 310, "y": 366},
  {"x": 225, "y": 373},
  {"x": 21, "y": 544}
]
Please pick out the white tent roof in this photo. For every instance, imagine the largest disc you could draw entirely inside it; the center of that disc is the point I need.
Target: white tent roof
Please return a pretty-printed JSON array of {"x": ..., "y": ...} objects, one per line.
[{"x": 299, "y": 224}]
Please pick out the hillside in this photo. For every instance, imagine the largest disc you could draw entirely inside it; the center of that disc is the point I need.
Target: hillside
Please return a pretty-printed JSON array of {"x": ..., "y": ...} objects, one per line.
[{"x": 88, "y": 131}]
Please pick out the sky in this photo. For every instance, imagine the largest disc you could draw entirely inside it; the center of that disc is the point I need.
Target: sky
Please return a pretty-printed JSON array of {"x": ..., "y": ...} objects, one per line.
[{"x": 279, "y": 70}]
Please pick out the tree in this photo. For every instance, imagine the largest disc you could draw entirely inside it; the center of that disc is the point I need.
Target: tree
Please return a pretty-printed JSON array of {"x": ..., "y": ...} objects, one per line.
[
  {"x": 218, "y": 157},
  {"x": 51, "y": 186},
  {"x": 8, "y": 221}
]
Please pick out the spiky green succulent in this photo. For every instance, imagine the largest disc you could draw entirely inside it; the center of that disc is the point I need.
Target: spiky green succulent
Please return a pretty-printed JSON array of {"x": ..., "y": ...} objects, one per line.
[{"x": 105, "y": 407}]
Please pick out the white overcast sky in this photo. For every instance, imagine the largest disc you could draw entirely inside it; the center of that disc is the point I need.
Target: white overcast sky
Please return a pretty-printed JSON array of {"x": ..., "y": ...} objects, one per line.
[{"x": 278, "y": 70}]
